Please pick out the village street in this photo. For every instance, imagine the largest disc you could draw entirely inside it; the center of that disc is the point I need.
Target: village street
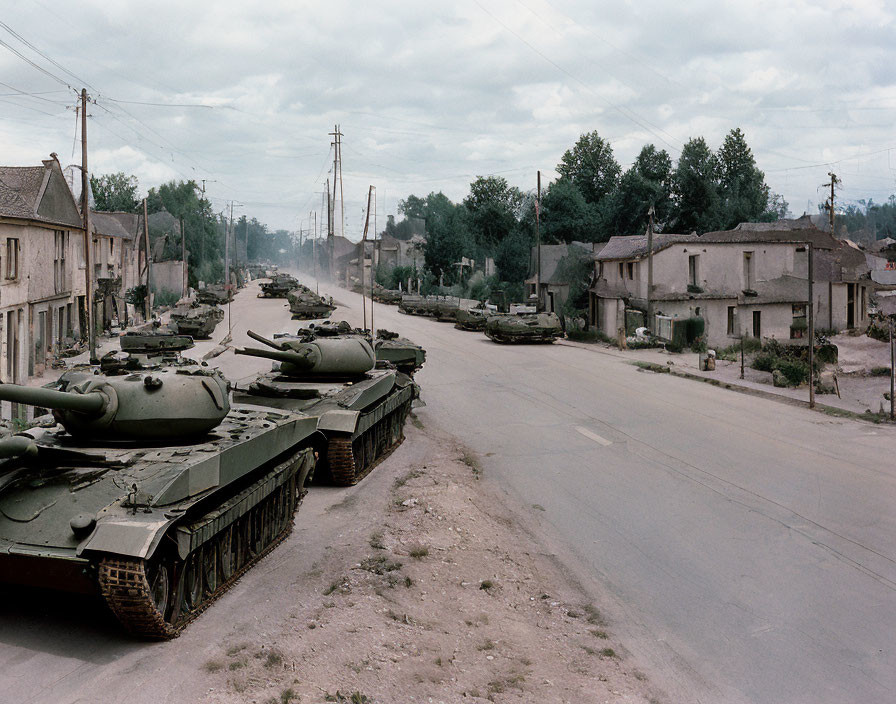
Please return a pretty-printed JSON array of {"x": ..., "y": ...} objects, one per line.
[
  {"x": 745, "y": 545},
  {"x": 740, "y": 548}
]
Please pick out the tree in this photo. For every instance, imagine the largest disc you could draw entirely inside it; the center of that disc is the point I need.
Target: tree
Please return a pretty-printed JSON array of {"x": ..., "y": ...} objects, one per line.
[
  {"x": 742, "y": 189},
  {"x": 590, "y": 167},
  {"x": 695, "y": 188},
  {"x": 566, "y": 216},
  {"x": 494, "y": 207},
  {"x": 115, "y": 192},
  {"x": 647, "y": 183},
  {"x": 512, "y": 258}
]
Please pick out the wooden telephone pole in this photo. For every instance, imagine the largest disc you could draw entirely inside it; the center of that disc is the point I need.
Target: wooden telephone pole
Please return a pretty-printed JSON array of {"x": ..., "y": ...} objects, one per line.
[
  {"x": 363, "y": 260},
  {"x": 538, "y": 306},
  {"x": 85, "y": 214}
]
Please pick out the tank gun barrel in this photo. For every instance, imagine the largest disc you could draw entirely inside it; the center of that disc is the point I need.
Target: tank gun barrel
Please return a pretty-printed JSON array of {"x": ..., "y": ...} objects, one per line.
[
  {"x": 298, "y": 358},
  {"x": 263, "y": 340},
  {"x": 90, "y": 403},
  {"x": 16, "y": 446}
]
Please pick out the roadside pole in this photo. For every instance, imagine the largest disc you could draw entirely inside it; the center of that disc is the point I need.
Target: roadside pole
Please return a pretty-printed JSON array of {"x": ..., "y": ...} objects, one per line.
[
  {"x": 85, "y": 214},
  {"x": 538, "y": 306},
  {"x": 650, "y": 272},
  {"x": 811, "y": 331},
  {"x": 892, "y": 373},
  {"x": 741, "y": 355}
]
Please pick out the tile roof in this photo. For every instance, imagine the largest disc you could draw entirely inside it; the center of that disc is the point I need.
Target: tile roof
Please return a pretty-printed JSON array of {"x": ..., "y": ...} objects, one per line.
[
  {"x": 819, "y": 239},
  {"x": 785, "y": 289},
  {"x": 114, "y": 224},
  {"x": 19, "y": 190},
  {"x": 635, "y": 246}
]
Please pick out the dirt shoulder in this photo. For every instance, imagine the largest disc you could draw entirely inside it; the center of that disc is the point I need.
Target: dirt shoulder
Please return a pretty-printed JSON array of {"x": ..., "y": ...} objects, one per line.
[{"x": 436, "y": 595}]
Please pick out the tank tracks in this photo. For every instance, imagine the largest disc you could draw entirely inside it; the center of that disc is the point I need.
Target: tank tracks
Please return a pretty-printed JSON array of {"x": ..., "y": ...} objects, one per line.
[
  {"x": 351, "y": 458},
  {"x": 157, "y": 598}
]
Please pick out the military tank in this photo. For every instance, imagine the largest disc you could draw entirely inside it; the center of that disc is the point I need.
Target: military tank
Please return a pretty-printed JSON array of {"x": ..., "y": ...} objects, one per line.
[
  {"x": 446, "y": 309},
  {"x": 149, "y": 489},
  {"x": 388, "y": 296},
  {"x": 304, "y": 304},
  {"x": 145, "y": 350},
  {"x": 471, "y": 319},
  {"x": 198, "y": 321},
  {"x": 278, "y": 287},
  {"x": 527, "y": 327},
  {"x": 214, "y": 294},
  {"x": 361, "y": 409},
  {"x": 407, "y": 356}
]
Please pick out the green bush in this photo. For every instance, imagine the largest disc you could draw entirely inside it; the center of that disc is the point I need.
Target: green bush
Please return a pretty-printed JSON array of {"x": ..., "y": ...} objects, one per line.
[
  {"x": 794, "y": 370},
  {"x": 879, "y": 371},
  {"x": 764, "y": 362}
]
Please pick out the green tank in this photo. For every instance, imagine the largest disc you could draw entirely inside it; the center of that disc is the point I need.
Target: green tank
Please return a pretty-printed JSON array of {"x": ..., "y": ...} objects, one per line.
[
  {"x": 361, "y": 409},
  {"x": 214, "y": 294},
  {"x": 278, "y": 287},
  {"x": 527, "y": 327},
  {"x": 198, "y": 321},
  {"x": 386, "y": 295},
  {"x": 412, "y": 304},
  {"x": 150, "y": 490},
  {"x": 407, "y": 356},
  {"x": 304, "y": 304},
  {"x": 145, "y": 350},
  {"x": 471, "y": 319}
]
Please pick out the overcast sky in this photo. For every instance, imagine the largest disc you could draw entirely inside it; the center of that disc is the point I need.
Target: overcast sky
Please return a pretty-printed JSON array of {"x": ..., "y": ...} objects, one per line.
[{"x": 429, "y": 95}]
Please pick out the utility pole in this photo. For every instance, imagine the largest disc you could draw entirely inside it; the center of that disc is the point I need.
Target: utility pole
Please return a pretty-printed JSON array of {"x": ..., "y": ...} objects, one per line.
[
  {"x": 183, "y": 256},
  {"x": 315, "y": 232},
  {"x": 337, "y": 174},
  {"x": 330, "y": 232},
  {"x": 538, "y": 306},
  {"x": 227, "y": 231},
  {"x": 85, "y": 214},
  {"x": 811, "y": 320},
  {"x": 892, "y": 371},
  {"x": 147, "y": 302},
  {"x": 830, "y": 204},
  {"x": 650, "y": 269},
  {"x": 363, "y": 260}
]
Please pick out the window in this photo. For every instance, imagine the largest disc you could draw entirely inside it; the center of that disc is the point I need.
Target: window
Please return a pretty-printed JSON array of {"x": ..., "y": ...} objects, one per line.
[
  {"x": 621, "y": 271},
  {"x": 732, "y": 320},
  {"x": 61, "y": 246},
  {"x": 748, "y": 271},
  {"x": 40, "y": 338},
  {"x": 864, "y": 308},
  {"x": 693, "y": 270},
  {"x": 757, "y": 324},
  {"x": 798, "y": 327},
  {"x": 12, "y": 258},
  {"x": 631, "y": 270}
]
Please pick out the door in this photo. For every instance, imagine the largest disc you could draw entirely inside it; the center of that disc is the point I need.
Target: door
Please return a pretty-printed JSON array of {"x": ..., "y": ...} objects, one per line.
[
  {"x": 757, "y": 324},
  {"x": 850, "y": 305}
]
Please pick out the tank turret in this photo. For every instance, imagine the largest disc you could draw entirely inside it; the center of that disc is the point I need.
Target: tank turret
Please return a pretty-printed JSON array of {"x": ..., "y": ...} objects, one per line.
[
  {"x": 161, "y": 405},
  {"x": 341, "y": 356}
]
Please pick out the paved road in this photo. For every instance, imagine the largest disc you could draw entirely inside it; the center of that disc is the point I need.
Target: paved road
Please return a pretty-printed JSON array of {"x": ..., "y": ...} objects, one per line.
[
  {"x": 743, "y": 548},
  {"x": 747, "y": 546}
]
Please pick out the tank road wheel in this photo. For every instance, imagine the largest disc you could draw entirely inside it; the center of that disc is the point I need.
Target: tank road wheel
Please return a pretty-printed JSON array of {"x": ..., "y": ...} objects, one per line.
[
  {"x": 228, "y": 549},
  {"x": 160, "y": 580},
  {"x": 191, "y": 584},
  {"x": 210, "y": 569}
]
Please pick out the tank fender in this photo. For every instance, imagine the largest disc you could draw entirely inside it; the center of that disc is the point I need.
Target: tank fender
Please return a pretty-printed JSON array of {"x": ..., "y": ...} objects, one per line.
[
  {"x": 339, "y": 421},
  {"x": 132, "y": 535}
]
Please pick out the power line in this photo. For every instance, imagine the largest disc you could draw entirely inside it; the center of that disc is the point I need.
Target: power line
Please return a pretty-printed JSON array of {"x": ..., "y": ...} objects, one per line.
[{"x": 39, "y": 52}]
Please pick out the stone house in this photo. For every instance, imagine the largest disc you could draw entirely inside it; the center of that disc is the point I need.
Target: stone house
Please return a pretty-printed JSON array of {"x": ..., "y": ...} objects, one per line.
[
  {"x": 114, "y": 260},
  {"x": 555, "y": 286},
  {"x": 740, "y": 282},
  {"x": 41, "y": 243}
]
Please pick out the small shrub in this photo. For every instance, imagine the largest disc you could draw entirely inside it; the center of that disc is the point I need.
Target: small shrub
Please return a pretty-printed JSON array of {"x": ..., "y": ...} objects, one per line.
[
  {"x": 213, "y": 666},
  {"x": 419, "y": 552},
  {"x": 486, "y": 584},
  {"x": 764, "y": 362},
  {"x": 608, "y": 653},
  {"x": 794, "y": 370},
  {"x": 273, "y": 659},
  {"x": 879, "y": 371}
]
